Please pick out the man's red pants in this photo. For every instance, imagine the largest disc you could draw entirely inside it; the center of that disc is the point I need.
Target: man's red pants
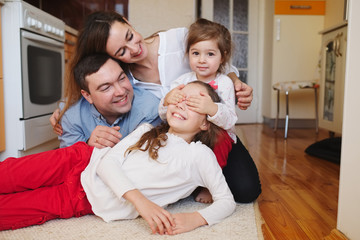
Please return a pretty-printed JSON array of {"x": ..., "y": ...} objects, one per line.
[{"x": 43, "y": 186}]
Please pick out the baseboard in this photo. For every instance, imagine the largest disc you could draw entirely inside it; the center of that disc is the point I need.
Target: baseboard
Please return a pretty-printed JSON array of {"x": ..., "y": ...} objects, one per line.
[{"x": 293, "y": 123}]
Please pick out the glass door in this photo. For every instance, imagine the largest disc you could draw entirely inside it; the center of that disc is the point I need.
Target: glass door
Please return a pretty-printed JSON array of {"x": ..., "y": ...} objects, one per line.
[
  {"x": 234, "y": 16},
  {"x": 241, "y": 18}
]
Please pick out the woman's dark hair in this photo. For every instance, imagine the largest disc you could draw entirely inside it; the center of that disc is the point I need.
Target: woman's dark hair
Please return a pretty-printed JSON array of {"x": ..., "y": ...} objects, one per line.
[
  {"x": 156, "y": 138},
  {"x": 95, "y": 32}
]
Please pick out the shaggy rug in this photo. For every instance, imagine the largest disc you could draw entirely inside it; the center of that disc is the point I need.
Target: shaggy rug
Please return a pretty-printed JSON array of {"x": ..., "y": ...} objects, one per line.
[{"x": 244, "y": 223}]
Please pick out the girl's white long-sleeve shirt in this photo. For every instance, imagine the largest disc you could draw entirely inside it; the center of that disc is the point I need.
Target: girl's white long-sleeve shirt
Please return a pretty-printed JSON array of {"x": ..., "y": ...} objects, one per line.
[
  {"x": 180, "y": 168},
  {"x": 226, "y": 116}
]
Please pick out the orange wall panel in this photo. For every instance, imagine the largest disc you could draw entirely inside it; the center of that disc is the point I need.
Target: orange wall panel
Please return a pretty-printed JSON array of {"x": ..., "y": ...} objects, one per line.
[{"x": 300, "y": 7}]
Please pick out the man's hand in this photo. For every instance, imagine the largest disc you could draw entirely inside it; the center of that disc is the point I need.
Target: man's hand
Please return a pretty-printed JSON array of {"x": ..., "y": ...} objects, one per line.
[
  {"x": 185, "y": 222},
  {"x": 57, "y": 129},
  {"x": 104, "y": 136},
  {"x": 159, "y": 220}
]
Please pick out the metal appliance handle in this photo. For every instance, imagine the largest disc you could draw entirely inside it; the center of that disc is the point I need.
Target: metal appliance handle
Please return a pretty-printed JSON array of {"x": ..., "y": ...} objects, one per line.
[{"x": 41, "y": 39}]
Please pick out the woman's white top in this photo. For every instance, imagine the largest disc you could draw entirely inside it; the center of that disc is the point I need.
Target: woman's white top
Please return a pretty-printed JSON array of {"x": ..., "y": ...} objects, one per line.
[
  {"x": 180, "y": 168},
  {"x": 172, "y": 62},
  {"x": 226, "y": 116}
]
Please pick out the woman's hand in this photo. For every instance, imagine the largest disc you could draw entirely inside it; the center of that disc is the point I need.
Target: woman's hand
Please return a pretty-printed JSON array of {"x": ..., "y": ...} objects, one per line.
[
  {"x": 57, "y": 129},
  {"x": 104, "y": 136},
  {"x": 243, "y": 92},
  {"x": 185, "y": 222},
  {"x": 159, "y": 220}
]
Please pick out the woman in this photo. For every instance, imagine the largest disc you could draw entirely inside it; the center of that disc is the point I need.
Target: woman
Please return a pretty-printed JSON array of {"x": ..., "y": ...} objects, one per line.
[
  {"x": 154, "y": 63},
  {"x": 138, "y": 176}
]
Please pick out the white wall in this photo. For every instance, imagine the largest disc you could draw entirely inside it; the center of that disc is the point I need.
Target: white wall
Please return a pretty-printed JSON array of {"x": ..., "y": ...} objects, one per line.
[
  {"x": 333, "y": 15},
  {"x": 149, "y": 16},
  {"x": 349, "y": 193},
  {"x": 266, "y": 13},
  {"x": 295, "y": 58}
]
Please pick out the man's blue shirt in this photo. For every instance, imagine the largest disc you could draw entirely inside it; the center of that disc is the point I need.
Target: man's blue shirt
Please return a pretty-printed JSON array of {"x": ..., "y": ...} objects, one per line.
[{"x": 80, "y": 120}]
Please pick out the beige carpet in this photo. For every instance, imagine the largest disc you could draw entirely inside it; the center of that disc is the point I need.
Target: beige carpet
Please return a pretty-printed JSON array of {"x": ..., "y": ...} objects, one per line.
[{"x": 244, "y": 223}]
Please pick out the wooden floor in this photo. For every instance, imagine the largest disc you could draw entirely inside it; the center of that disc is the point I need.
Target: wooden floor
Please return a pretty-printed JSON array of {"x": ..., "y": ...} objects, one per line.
[{"x": 299, "y": 192}]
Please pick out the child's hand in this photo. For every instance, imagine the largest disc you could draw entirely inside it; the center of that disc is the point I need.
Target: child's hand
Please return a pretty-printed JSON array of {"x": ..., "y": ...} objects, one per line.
[
  {"x": 202, "y": 104},
  {"x": 174, "y": 96},
  {"x": 185, "y": 222},
  {"x": 159, "y": 220}
]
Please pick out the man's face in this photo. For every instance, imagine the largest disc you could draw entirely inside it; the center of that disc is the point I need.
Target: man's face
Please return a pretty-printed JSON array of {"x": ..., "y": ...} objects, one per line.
[{"x": 110, "y": 91}]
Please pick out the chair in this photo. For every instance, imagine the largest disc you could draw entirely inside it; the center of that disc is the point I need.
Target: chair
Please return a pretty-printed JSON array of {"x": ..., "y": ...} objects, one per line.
[{"x": 290, "y": 86}]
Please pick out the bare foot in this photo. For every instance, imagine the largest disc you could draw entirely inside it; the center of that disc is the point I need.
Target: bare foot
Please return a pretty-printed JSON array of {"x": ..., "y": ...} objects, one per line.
[{"x": 204, "y": 196}]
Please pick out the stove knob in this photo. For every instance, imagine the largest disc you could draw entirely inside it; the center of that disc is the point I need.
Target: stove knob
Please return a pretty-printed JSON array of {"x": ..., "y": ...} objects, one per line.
[
  {"x": 47, "y": 28},
  {"x": 31, "y": 22},
  {"x": 28, "y": 20},
  {"x": 39, "y": 25}
]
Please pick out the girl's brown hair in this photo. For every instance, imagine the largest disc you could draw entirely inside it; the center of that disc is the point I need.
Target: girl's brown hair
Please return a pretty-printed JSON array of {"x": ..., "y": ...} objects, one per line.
[
  {"x": 92, "y": 39},
  {"x": 156, "y": 138},
  {"x": 203, "y": 30}
]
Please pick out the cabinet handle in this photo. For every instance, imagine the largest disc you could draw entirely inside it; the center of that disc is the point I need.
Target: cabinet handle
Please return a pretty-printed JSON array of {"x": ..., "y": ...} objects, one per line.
[
  {"x": 337, "y": 44},
  {"x": 72, "y": 43},
  {"x": 306, "y": 7},
  {"x": 338, "y": 48}
]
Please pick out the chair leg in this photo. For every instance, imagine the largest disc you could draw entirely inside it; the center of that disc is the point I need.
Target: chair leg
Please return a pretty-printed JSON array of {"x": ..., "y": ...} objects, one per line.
[
  {"x": 316, "y": 112},
  {"x": 277, "y": 110},
  {"x": 287, "y": 114}
]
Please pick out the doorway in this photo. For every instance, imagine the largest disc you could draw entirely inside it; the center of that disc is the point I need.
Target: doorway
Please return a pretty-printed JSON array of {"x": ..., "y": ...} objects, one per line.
[{"x": 241, "y": 18}]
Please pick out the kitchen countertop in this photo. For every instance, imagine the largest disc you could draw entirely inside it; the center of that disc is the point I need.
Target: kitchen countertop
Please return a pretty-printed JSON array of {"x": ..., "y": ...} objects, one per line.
[
  {"x": 332, "y": 28},
  {"x": 70, "y": 30}
]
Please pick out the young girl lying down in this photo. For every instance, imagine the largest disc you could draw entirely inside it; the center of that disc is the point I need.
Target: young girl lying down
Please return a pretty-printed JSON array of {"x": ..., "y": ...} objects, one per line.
[{"x": 149, "y": 169}]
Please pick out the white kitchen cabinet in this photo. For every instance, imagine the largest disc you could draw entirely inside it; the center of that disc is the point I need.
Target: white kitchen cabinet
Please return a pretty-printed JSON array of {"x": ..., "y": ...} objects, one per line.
[{"x": 332, "y": 78}]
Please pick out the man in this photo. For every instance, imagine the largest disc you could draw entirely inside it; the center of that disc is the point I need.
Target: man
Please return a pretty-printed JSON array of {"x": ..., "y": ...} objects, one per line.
[{"x": 110, "y": 107}]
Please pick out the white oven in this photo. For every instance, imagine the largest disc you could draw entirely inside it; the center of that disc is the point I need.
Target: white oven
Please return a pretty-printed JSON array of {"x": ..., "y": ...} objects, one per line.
[
  {"x": 42, "y": 61},
  {"x": 33, "y": 66}
]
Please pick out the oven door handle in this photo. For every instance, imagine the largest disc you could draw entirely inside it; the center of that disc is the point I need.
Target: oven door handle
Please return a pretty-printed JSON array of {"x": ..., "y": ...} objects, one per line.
[{"x": 42, "y": 39}]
